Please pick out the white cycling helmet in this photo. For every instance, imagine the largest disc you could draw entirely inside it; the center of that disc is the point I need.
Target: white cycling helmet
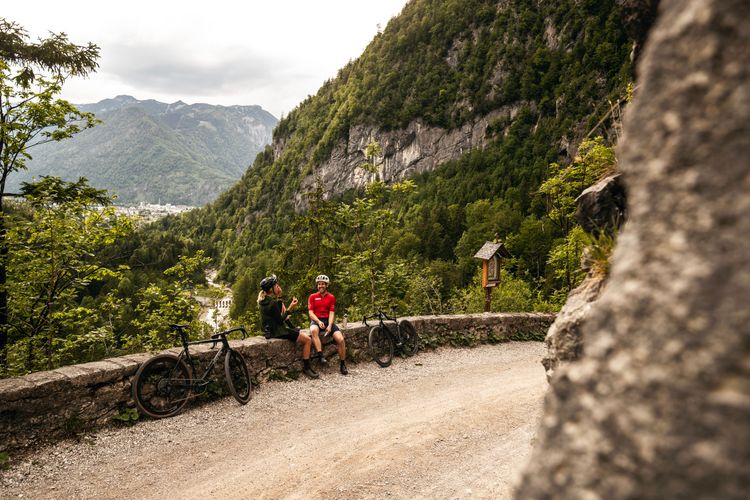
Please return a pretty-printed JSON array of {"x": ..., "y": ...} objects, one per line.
[{"x": 323, "y": 278}]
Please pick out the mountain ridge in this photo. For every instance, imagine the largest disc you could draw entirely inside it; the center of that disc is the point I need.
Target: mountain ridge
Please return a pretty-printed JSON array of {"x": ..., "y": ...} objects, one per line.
[{"x": 149, "y": 151}]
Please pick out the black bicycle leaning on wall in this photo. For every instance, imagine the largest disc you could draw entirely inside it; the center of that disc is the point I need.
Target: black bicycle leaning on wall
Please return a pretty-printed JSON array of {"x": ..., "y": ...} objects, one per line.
[
  {"x": 163, "y": 384},
  {"x": 387, "y": 338}
]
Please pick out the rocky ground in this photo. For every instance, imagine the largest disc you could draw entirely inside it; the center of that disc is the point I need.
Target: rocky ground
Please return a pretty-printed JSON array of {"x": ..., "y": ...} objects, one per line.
[{"x": 452, "y": 423}]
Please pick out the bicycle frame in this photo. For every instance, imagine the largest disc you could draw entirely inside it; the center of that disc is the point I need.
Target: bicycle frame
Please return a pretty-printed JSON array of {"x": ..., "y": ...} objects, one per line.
[
  {"x": 215, "y": 338},
  {"x": 382, "y": 318}
]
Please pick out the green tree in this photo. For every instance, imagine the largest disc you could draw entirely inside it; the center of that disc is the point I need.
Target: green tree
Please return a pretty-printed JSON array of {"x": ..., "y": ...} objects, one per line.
[
  {"x": 243, "y": 296},
  {"x": 511, "y": 295},
  {"x": 31, "y": 76},
  {"x": 565, "y": 262},
  {"x": 366, "y": 270},
  {"x": 594, "y": 160},
  {"x": 565, "y": 183},
  {"x": 530, "y": 246},
  {"x": 53, "y": 257},
  {"x": 373, "y": 154},
  {"x": 158, "y": 306}
]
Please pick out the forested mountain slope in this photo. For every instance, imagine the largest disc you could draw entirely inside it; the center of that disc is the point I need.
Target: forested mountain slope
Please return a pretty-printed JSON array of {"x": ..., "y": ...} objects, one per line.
[
  {"x": 152, "y": 151},
  {"x": 472, "y": 100}
]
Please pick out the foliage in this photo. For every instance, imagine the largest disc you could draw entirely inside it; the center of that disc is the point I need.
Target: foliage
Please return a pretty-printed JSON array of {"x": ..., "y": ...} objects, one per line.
[
  {"x": 60, "y": 241},
  {"x": 283, "y": 376},
  {"x": 52, "y": 257},
  {"x": 381, "y": 244},
  {"x": 599, "y": 248},
  {"x": 160, "y": 306},
  {"x": 565, "y": 260},
  {"x": 437, "y": 65},
  {"x": 373, "y": 153},
  {"x": 594, "y": 160},
  {"x": 565, "y": 184},
  {"x": 511, "y": 295},
  {"x": 31, "y": 75},
  {"x": 127, "y": 416}
]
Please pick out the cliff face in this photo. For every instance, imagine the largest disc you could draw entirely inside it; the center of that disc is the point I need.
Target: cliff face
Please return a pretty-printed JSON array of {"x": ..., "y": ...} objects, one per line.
[
  {"x": 421, "y": 146},
  {"x": 414, "y": 150}
]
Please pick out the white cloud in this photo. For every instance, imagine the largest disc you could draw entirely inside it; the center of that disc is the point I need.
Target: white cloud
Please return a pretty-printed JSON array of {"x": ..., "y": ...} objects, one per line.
[{"x": 221, "y": 52}]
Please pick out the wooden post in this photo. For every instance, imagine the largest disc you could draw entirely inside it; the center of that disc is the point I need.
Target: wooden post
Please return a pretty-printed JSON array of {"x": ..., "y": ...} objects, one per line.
[{"x": 487, "y": 298}]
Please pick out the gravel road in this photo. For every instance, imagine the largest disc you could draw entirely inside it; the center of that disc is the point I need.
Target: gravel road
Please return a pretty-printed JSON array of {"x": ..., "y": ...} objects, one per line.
[{"x": 452, "y": 423}]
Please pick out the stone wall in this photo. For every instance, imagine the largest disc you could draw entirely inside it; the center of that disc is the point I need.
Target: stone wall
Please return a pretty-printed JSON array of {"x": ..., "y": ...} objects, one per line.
[{"x": 62, "y": 402}]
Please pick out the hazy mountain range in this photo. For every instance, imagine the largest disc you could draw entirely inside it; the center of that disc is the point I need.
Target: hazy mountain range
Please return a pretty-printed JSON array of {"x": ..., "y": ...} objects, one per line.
[{"x": 155, "y": 152}]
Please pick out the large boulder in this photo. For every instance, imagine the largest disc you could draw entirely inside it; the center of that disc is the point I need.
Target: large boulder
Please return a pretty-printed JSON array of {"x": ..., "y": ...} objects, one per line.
[
  {"x": 602, "y": 205},
  {"x": 658, "y": 406},
  {"x": 563, "y": 340}
]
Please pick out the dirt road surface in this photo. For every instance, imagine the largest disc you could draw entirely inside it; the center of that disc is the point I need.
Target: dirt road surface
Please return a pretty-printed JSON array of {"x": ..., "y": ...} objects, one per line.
[{"x": 453, "y": 423}]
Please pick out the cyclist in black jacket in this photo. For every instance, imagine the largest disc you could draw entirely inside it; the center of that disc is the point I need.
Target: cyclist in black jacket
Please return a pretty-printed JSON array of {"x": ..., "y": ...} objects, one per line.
[{"x": 276, "y": 325}]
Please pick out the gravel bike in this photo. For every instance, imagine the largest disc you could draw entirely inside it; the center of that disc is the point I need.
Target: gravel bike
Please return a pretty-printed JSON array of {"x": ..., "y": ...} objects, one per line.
[
  {"x": 163, "y": 384},
  {"x": 387, "y": 338}
]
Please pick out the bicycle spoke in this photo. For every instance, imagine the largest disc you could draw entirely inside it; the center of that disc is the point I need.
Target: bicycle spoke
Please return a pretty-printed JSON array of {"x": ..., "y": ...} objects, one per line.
[{"x": 161, "y": 386}]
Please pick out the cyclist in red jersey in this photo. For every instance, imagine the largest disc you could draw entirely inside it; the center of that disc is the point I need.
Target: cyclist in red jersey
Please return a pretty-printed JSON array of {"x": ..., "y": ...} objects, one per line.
[{"x": 322, "y": 310}]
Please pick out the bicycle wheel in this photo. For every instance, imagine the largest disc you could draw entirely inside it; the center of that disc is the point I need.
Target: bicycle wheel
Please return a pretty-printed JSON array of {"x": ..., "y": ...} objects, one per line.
[
  {"x": 380, "y": 344},
  {"x": 409, "y": 338},
  {"x": 238, "y": 377},
  {"x": 161, "y": 386}
]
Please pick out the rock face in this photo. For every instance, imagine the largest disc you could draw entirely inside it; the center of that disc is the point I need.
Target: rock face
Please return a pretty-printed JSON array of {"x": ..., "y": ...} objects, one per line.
[
  {"x": 659, "y": 404},
  {"x": 563, "y": 340},
  {"x": 407, "y": 152},
  {"x": 420, "y": 148},
  {"x": 602, "y": 205}
]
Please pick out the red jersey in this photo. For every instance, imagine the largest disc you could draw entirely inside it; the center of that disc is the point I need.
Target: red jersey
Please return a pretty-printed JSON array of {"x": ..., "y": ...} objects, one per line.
[{"x": 321, "y": 306}]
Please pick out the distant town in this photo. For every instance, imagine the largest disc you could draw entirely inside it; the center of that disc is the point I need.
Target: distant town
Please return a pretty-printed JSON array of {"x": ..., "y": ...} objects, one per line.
[{"x": 149, "y": 212}]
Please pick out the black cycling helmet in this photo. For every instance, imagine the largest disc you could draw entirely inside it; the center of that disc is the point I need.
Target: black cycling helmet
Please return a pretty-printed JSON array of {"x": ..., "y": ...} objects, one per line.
[{"x": 267, "y": 283}]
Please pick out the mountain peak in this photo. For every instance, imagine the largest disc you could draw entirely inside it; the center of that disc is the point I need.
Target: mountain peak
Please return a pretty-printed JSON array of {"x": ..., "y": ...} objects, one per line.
[{"x": 124, "y": 98}]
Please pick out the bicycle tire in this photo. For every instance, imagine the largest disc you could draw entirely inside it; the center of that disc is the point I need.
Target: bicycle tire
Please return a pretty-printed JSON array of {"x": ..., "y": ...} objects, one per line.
[
  {"x": 409, "y": 338},
  {"x": 161, "y": 386},
  {"x": 238, "y": 376},
  {"x": 380, "y": 345}
]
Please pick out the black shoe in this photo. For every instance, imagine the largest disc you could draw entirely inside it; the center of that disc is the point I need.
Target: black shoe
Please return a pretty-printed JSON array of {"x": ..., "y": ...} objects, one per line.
[
  {"x": 308, "y": 370},
  {"x": 342, "y": 368},
  {"x": 321, "y": 358}
]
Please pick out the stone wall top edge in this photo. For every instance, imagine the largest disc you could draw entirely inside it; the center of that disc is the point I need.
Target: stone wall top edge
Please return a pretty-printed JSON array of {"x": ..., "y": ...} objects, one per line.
[{"x": 117, "y": 367}]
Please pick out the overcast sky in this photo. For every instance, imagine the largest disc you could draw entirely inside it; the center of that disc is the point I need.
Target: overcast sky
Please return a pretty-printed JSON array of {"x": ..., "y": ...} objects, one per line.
[{"x": 272, "y": 52}]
